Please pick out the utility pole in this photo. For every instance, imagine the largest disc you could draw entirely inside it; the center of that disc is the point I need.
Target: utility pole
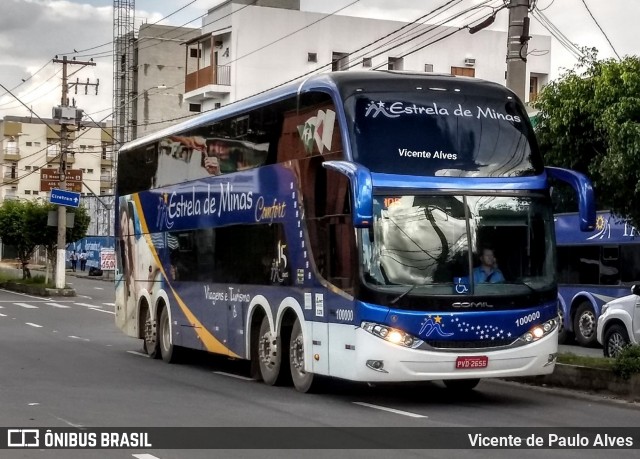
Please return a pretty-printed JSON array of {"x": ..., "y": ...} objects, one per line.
[
  {"x": 517, "y": 38},
  {"x": 64, "y": 145}
]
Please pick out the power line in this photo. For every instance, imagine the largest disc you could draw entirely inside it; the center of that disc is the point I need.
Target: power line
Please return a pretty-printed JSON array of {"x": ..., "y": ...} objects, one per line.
[
  {"x": 557, "y": 34},
  {"x": 605, "y": 35}
]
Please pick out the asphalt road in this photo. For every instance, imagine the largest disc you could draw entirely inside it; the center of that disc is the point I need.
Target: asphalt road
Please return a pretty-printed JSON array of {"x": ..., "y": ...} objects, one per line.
[{"x": 63, "y": 363}]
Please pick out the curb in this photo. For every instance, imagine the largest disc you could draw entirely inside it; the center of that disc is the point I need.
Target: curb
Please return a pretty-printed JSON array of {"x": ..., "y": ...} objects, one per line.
[
  {"x": 588, "y": 379},
  {"x": 37, "y": 289}
]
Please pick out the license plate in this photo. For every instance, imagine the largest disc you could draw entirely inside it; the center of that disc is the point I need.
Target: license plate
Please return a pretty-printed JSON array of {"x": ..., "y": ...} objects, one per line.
[{"x": 471, "y": 363}]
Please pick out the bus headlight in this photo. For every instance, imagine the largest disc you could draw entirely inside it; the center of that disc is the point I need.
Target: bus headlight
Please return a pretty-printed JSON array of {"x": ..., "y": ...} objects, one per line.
[
  {"x": 393, "y": 335},
  {"x": 539, "y": 331}
]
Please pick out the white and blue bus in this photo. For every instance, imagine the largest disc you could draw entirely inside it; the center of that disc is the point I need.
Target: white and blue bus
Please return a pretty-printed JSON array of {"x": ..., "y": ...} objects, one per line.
[
  {"x": 593, "y": 269},
  {"x": 332, "y": 227}
]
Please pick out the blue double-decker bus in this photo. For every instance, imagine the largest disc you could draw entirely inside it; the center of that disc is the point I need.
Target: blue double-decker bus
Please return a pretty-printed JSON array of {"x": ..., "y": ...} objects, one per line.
[
  {"x": 369, "y": 226},
  {"x": 593, "y": 268}
]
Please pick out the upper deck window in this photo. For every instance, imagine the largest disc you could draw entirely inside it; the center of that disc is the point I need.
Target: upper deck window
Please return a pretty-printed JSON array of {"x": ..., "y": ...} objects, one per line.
[{"x": 442, "y": 132}]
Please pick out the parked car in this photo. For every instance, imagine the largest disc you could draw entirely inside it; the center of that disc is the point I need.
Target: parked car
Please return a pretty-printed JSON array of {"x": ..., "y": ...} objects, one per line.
[{"x": 619, "y": 323}]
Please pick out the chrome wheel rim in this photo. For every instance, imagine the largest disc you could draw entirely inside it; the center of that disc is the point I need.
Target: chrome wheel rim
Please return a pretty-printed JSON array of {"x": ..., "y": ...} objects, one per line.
[
  {"x": 149, "y": 333},
  {"x": 587, "y": 324},
  {"x": 268, "y": 350},
  {"x": 616, "y": 344},
  {"x": 297, "y": 354}
]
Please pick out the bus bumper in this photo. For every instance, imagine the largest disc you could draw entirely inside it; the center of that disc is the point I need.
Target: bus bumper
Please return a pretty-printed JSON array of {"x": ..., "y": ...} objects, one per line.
[{"x": 404, "y": 364}]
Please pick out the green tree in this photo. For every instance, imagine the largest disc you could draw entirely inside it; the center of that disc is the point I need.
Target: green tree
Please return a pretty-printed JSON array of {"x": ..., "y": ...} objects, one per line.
[
  {"x": 48, "y": 235},
  {"x": 589, "y": 121},
  {"x": 15, "y": 230},
  {"x": 23, "y": 224}
]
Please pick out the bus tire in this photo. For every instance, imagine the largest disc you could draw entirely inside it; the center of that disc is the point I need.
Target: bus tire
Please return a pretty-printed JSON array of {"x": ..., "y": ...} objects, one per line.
[
  {"x": 563, "y": 333},
  {"x": 615, "y": 340},
  {"x": 461, "y": 385},
  {"x": 584, "y": 324},
  {"x": 168, "y": 351},
  {"x": 270, "y": 355},
  {"x": 303, "y": 382},
  {"x": 150, "y": 335}
]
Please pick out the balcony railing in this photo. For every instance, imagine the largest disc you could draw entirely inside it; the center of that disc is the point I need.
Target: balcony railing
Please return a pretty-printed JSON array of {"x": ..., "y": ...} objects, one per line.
[
  {"x": 220, "y": 75},
  {"x": 11, "y": 154},
  {"x": 10, "y": 177}
]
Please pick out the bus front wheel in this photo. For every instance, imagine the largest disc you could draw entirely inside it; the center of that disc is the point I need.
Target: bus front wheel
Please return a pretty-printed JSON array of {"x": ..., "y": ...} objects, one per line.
[
  {"x": 270, "y": 354},
  {"x": 169, "y": 352},
  {"x": 303, "y": 381},
  {"x": 584, "y": 324}
]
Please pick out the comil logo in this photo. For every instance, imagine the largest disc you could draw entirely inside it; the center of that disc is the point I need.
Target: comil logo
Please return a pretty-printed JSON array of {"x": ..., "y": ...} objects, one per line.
[{"x": 23, "y": 438}]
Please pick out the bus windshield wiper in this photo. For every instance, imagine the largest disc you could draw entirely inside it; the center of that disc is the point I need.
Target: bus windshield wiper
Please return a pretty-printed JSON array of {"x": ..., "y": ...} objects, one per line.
[{"x": 403, "y": 294}]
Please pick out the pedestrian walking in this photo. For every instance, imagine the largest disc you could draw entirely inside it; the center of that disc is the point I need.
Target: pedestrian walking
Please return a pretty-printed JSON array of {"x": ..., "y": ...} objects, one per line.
[
  {"x": 74, "y": 261},
  {"x": 83, "y": 260}
]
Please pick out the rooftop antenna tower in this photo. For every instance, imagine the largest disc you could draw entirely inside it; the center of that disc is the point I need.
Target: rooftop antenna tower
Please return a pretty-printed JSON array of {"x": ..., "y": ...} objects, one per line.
[{"x": 123, "y": 71}]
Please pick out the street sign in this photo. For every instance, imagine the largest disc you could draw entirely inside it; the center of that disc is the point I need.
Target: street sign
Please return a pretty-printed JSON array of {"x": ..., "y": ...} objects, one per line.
[
  {"x": 50, "y": 179},
  {"x": 107, "y": 259},
  {"x": 64, "y": 198},
  {"x": 48, "y": 185}
]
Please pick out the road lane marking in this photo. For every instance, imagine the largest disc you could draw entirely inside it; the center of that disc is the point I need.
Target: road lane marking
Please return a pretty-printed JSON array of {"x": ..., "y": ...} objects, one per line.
[
  {"x": 87, "y": 305},
  {"x": 98, "y": 288},
  {"x": 138, "y": 353},
  {"x": 85, "y": 296},
  {"x": 26, "y": 305},
  {"x": 106, "y": 304},
  {"x": 33, "y": 325},
  {"x": 77, "y": 337},
  {"x": 390, "y": 410},
  {"x": 231, "y": 375},
  {"x": 102, "y": 310},
  {"x": 145, "y": 456},
  {"x": 3, "y": 315},
  {"x": 24, "y": 294},
  {"x": 61, "y": 306}
]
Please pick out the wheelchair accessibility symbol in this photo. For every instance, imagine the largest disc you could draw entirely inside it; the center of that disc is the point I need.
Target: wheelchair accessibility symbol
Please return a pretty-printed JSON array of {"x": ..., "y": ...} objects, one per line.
[{"x": 461, "y": 285}]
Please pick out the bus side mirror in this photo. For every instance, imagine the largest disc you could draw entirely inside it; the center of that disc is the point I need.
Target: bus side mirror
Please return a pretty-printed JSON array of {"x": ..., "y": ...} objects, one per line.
[
  {"x": 635, "y": 290},
  {"x": 583, "y": 188},
  {"x": 361, "y": 190}
]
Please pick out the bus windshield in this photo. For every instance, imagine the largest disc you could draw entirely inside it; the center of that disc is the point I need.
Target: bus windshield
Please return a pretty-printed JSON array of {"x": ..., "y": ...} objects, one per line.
[
  {"x": 432, "y": 132},
  {"x": 483, "y": 245}
]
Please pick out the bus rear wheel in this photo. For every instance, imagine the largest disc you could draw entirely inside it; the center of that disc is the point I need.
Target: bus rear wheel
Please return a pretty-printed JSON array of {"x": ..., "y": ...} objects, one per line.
[
  {"x": 584, "y": 325},
  {"x": 168, "y": 351},
  {"x": 302, "y": 380},
  {"x": 150, "y": 335},
  {"x": 270, "y": 355},
  {"x": 461, "y": 385}
]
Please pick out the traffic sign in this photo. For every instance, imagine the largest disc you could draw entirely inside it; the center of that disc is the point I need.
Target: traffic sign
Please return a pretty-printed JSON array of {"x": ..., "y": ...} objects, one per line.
[
  {"x": 64, "y": 198},
  {"x": 50, "y": 179}
]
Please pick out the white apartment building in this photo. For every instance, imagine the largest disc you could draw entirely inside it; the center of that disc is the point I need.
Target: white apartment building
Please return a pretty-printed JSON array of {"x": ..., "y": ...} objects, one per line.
[
  {"x": 246, "y": 47},
  {"x": 28, "y": 146},
  {"x": 159, "y": 67}
]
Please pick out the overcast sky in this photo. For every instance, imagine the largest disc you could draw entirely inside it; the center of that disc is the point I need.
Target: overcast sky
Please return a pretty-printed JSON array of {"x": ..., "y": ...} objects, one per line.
[{"x": 32, "y": 32}]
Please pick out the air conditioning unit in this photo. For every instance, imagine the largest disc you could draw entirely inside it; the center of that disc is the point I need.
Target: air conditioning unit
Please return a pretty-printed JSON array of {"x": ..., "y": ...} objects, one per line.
[{"x": 469, "y": 61}]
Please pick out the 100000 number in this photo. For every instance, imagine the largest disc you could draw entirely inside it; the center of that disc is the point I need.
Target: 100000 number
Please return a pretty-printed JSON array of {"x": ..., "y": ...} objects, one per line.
[
  {"x": 527, "y": 319},
  {"x": 345, "y": 315}
]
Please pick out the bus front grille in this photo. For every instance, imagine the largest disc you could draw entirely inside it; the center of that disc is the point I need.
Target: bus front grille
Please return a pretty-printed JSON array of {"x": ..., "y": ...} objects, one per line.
[{"x": 469, "y": 344}]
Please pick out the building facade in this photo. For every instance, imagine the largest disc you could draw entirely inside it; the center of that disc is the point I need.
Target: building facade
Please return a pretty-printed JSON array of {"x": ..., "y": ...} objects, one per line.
[
  {"x": 29, "y": 146},
  {"x": 159, "y": 68},
  {"x": 246, "y": 47}
]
